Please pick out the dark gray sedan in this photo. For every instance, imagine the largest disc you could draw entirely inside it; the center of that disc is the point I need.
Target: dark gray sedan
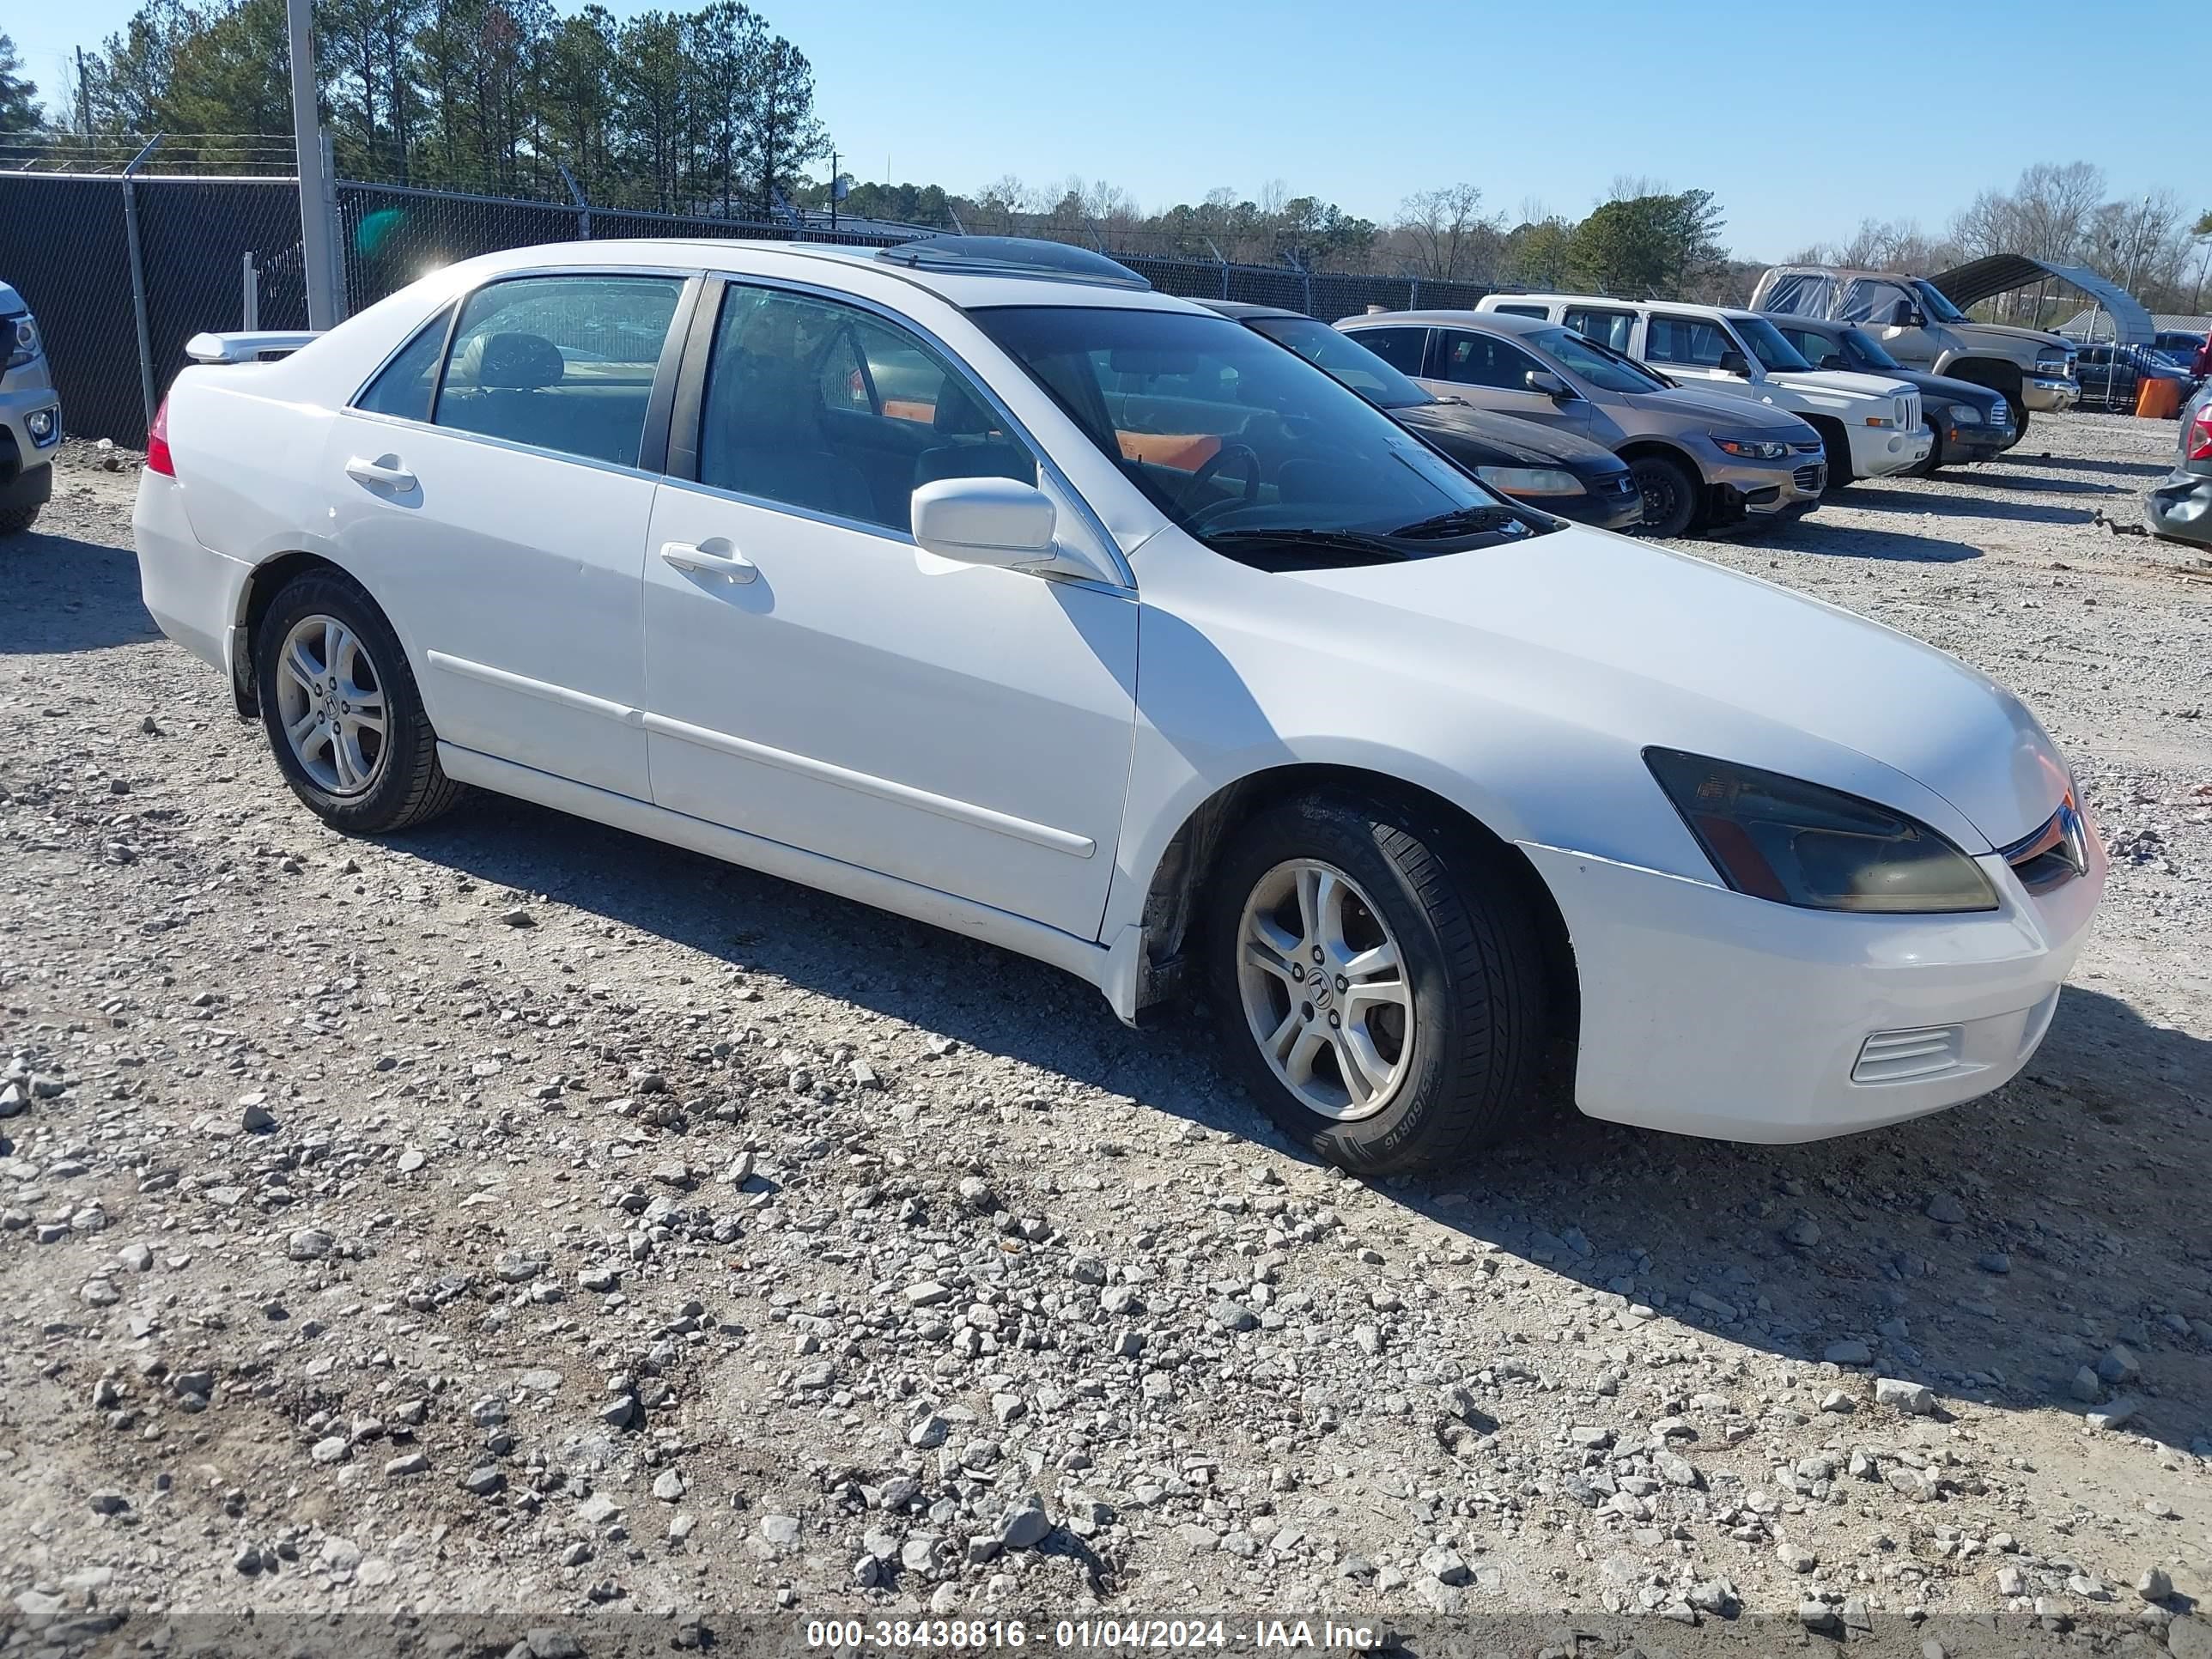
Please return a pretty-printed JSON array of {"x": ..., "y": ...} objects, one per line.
[
  {"x": 1556, "y": 471},
  {"x": 2179, "y": 504}
]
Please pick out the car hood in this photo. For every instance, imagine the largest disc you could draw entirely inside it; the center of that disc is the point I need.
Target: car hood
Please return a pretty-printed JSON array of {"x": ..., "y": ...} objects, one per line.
[
  {"x": 1518, "y": 442},
  {"x": 1652, "y": 647},
  {"x": 10, "y": 301},
  {"x": 1727, "y": 412},
  {"x": 2005, "y": 331},
  {"x": 1943, "y": 387},
  {"x": 1837, "y": 380}
]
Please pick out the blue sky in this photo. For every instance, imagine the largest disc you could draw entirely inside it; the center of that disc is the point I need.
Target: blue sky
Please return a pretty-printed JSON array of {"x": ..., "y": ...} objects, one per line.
[{"x": 1801, "y": 131}]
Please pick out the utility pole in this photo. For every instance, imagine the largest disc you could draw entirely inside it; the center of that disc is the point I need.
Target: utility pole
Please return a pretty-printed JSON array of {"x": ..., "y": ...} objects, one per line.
[
  {"x": 833, "y": 190},
  {"x": 83, "y": 96},
  {"x": 318, "y": 240}
]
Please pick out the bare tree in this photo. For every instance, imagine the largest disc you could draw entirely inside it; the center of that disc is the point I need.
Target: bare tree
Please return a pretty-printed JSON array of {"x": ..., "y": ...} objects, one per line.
[{"x": 1447, "y": 232}]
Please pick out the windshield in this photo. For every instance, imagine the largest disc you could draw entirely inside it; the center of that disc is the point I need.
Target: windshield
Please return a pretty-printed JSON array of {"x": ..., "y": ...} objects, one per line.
[
  {"x": 1774, "y": 353},
  {"x": 1343, "y": 358},
  {"x": 1248, "y": 446},
  {"x": 1606, "y": 369},
  {"x": 1871, "y": 352},
  {"x": 1933, "y": 302}
]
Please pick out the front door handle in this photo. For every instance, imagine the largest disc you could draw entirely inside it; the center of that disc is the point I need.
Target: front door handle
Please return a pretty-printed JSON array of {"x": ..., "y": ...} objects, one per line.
[
  {"x": 731, "y": 565},
  {"x": 385, "y": 470}
]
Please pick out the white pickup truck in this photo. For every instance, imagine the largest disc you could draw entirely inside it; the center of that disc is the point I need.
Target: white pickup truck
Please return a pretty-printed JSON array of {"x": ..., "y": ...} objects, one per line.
[{"x": 1871, "y": 427}]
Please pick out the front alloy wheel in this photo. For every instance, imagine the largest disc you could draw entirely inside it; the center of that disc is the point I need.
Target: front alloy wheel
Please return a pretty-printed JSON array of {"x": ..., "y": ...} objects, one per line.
[
  {"x": 1324, "y": 990},
  {"x": 1378, "y": 977}
]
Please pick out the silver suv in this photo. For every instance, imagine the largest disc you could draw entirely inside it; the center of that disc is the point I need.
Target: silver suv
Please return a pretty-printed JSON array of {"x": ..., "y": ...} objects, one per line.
[
  {"x": 30, "y": 418},
  {"x": 1702, "y": 458}
]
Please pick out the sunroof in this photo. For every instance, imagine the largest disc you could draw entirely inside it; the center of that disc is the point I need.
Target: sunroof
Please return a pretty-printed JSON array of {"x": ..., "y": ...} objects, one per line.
[{"x": 1012, "y": 256}]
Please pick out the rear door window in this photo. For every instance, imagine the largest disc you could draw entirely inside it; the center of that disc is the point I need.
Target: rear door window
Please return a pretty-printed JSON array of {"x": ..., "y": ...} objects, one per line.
[
  {"x": 410, "y": 380},
  {"x": 1400, "y": 347},
  {"x": 564, "y": 363},
  {"x": 1609, "y": 328}
]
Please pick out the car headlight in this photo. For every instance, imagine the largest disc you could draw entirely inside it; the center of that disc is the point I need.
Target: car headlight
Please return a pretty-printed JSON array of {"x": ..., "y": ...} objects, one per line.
[
  {"x": 1530, "y": 480},
  {"x": 21, "y": 337},
  {"x": 1753, "y": 449},
  {"x": 1779, "y": 838},
  {"x": 2056, "y": 368},
  {"x": 1965, "y": 415}
]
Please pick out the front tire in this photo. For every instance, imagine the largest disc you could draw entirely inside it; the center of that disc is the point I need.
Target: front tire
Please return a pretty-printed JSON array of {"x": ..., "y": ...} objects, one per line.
[
  {"x": 1836, "y": 450},
  {"x": 342, "y": 711},
  {"x": 2019, "y": 418},
  {"x": 1379, "y": 981},
  {"x": 1670, "y": 495}
]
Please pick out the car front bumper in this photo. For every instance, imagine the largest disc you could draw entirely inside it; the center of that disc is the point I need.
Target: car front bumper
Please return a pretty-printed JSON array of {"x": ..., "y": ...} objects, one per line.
[
  {"x": 1768, "y": 489},
  {"x": 1710, "y": 1012},
  {"x": 1877, "y": 452},
  {"x": 2178, "y": 506},
  {"x": 1611, "y": 501},
  {"x": 2050, "y": 396},
  {"x": 29, "y": 398}
]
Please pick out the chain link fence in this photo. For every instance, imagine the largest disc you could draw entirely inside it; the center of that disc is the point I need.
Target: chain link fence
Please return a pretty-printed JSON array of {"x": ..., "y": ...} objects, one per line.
[{"x": 223, "y": 253}]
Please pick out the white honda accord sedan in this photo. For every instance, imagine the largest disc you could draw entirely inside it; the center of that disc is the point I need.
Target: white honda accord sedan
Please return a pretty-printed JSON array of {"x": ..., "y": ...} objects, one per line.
[{"x": 982, "y": 584}]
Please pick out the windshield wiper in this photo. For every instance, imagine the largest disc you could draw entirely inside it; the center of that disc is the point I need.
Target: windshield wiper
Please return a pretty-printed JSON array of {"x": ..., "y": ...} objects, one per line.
[
  {"x": 1344, "y": 541},
  {"x": 1466, "y": 522}
]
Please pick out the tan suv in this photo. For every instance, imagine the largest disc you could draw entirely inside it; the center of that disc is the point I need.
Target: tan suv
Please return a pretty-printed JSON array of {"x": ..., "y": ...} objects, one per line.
[{"x": 1920, "y": 327}]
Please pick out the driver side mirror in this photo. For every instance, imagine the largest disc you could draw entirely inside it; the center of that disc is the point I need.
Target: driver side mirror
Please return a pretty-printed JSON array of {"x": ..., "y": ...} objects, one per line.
[
  {"x": 1550, "y": 385},
  {"x": 995, "y": 521},
  {"x": 1905, "y": 315},
  {"x": 1735, "y": 363},
  {"x": 1834, "y": 360}
]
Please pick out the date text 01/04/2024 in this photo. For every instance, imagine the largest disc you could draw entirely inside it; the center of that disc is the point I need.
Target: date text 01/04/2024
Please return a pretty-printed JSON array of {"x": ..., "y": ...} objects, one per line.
[{"x": 1085, "y": 1633}]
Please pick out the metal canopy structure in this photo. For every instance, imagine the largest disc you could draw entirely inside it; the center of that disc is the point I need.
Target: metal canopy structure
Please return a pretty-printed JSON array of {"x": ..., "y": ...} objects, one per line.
[{"x": 2001, "y": 273}]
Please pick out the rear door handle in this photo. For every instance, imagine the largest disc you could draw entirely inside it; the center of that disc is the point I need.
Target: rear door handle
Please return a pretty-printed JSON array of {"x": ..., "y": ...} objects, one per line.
[
  {"x": 731, "y": 565},
  {"x": 386, "y": 472}
]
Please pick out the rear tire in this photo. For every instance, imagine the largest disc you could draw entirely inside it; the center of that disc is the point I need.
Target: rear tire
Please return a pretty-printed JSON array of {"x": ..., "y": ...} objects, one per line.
[
  {"x": 326, "y": 663},
  {"x": 1432, "y": 1050},
  {"x": 1670, "y": 495}
]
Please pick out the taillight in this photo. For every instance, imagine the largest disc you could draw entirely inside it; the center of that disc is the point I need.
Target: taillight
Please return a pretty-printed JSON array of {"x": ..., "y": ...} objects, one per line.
[
  {"x": 2200, "y": 435},
  {"x": 158, "y": 459}
]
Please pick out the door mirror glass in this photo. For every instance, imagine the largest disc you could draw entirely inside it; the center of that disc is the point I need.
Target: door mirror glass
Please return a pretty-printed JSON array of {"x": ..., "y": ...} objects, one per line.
[
  {"x": 997, "y": 521},
  {"x": 1734, "y": 362},
  {"x": 1833, "y": 360},
  {"x": 1905, "y": 315},
  {"x": 1543, "y": 381}
]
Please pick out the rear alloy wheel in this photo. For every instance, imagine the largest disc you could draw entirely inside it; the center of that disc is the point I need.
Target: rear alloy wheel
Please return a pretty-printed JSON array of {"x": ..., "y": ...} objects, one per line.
[
  {"x": 1670, "y": 495},
  {"x": 1377, "y": 980},
  {"x": 343, "y": 715}
]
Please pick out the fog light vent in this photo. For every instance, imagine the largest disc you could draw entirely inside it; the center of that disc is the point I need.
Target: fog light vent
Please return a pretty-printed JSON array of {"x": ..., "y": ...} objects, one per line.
[{"x": 1924, "y": 1051}]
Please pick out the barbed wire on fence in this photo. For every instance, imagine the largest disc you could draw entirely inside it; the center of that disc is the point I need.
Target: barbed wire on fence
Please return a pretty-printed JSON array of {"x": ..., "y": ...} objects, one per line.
[{"x": 220, "y": 244}]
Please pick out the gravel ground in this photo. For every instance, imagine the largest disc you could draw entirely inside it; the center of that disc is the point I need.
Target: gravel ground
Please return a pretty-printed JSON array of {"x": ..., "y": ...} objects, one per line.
[{"x": 523, "y": 1218}]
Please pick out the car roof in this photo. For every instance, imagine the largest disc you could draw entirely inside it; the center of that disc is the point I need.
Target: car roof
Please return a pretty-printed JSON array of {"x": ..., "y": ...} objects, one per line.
[
  {"x": 1504, "y": 322},
  {"x": 1245, "y": 311},
  {"x": 1691, "y": 307},
  {"x": 813, "y": 261}
]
